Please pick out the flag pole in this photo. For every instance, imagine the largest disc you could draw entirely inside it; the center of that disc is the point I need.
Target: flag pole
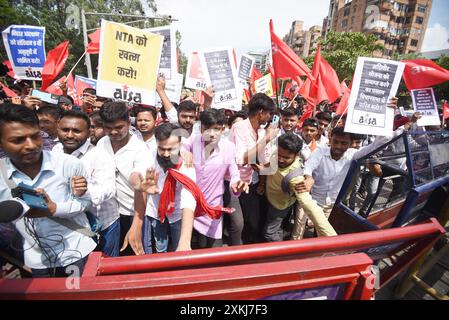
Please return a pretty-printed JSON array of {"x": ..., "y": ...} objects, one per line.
[
  {"x": 281, "y": 91},
  {"x": 73, "y": 68}
]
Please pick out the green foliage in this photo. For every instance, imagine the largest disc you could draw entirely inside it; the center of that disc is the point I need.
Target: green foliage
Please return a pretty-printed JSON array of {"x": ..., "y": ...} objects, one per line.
[
  {"x": 442, "y": 90},
  {"x": 342, "y": 49}
]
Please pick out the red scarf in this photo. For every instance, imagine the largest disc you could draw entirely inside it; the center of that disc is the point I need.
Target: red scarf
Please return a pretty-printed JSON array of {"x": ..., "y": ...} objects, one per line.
[{"x": 167, "y": 197}]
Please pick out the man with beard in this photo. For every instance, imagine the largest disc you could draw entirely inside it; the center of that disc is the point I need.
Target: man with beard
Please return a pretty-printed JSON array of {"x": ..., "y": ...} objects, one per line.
[
  {"x": 282, "y": 196},
  {"x": 50, "y": 242},
  {"x": 96, "y": 127},
  {"x": 170, "y": 222},
  {"x": 127, "y": 151},
  {"x": 146, "y": 122},
  {"x": 73, "y": 133}
]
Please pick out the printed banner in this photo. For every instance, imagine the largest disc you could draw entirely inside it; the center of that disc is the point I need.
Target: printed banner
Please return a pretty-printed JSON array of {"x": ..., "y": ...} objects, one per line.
[
  {"x": 375, "y": 82},
  {"x": 168, "y": 65},
  {"x": 221, "y": 73},
  {"x": 173, "y": 89},
  {"x": 25, "y": 46},
  {"x": 425, "y": 103},
  {"x": 264, "y": 85},
  {"x": 195, "y": 76},
  {"x": 128, "y": 63},
  {"x": 245, "y": 69}
]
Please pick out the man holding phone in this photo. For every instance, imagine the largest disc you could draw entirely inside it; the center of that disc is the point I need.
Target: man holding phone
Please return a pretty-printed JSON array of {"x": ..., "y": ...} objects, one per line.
[{"x": 50, "y": 246}]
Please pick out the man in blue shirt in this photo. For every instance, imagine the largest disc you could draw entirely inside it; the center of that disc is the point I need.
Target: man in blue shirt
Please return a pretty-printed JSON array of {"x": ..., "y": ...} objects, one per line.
[{"x": 50, "y": 244}]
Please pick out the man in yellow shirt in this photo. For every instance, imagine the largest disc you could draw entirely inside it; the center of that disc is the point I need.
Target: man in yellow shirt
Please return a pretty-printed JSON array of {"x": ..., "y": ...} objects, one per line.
[{"x": 281, "y": 194}]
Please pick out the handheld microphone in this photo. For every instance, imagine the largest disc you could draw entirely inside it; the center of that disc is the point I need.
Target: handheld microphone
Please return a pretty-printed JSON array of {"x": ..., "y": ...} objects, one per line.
[{"x": 11, "y": 210}]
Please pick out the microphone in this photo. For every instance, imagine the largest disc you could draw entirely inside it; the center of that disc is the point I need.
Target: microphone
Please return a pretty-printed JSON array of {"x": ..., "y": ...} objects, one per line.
[{"x": 11, "y": 210}]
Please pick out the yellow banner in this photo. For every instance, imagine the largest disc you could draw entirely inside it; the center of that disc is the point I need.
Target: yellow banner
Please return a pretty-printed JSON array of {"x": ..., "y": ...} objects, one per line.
[
  {"x": 128, "y": 63},
  {"x": 264, "y": 85}
]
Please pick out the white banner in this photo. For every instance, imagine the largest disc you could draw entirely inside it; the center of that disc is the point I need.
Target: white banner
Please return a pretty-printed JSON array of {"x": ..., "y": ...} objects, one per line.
[
  {"x": 221, "y": 73},
  {"x": 425, "y": 103},
  {"x": 375, "y": 82},
  {"x": 194, "y": 74},
  {"x": 245, "y": 68},
  {"x": 168, "y": 65}
]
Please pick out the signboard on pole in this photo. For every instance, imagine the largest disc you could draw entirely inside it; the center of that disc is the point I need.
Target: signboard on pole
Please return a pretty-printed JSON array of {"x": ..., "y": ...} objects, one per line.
[
  {"x": 168, "y": 65},
  {"x": 245, "y": 69},
  {"x": 221, "y": 73},
  {"x": 375, "y": 82},
  {"x": 25, "y": 46},
  {"x": 128, "y": 63},
  {"x": 425, "y": 103},
  {"x": 264, "y": 85},
  {"x": 194, "y": 74}
]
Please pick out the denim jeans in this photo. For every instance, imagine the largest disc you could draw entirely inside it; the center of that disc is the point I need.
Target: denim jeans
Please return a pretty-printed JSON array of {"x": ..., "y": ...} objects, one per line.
[
  {"x": 166, "y": 235},
  {"x": 110, "y": 240}
]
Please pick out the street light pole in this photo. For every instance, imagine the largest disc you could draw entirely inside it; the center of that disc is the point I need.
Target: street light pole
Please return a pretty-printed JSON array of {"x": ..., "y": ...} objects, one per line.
[{"x": 88, "y": 63}]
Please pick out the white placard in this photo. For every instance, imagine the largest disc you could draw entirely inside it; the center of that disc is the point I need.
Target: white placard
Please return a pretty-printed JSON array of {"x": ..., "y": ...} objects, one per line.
[
  {"x": 168, "y": 64},
  {"x": 221, "y": 73},
  {"x": 245, "y": 69},
  {"x": 375, "y": 82},
  {"x": 424, "y": 102},
  {"x": 195, "y": 75},
  {"x": 173, "y": 88}
]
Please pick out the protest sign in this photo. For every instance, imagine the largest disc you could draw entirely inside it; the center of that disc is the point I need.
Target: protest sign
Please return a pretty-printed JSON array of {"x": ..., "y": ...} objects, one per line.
[
  {"x": 168, "y": 65},
  {"x": 220, "y": 72},
  {"x": 264, "y": 85},
  {"x": 375, "y": 82},
  {"x": 425, "y": 103},
  {"x": 173, "y": 88},
  {"x": 128, "y": 63},
  {"x": 245, "y": 69},
  {"x": 25, "y": 46},
  {"x": 194, "y": 73}
]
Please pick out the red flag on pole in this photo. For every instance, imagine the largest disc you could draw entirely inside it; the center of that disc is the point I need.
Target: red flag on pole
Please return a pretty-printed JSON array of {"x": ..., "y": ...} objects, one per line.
[
  {"x": 342, "y": 106},
  {"x": 330, "y": 79},
  {"x": 8, "y": 92},
  {"x": 56, "y": 59},
  {"x": 445, "y": 110},
  {"x": 255, "y": 75},
  {"x": 55, "y": 89},
  {"x": 308, "y": 113},
  {"x": 286, "y": 62},
  {"x": 94, "y": 45},
  {"x": 423, "y": 73},
  {"x": 10, "y": 73}
]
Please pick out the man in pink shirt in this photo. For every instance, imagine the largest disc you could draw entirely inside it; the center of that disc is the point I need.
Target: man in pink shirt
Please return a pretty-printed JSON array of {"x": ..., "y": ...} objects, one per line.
[
  {"x": 250, "y": 142},
  {"x": 213, "y": 158}
]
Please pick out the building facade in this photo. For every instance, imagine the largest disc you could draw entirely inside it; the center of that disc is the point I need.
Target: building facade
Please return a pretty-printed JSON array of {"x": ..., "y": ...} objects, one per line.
[
  {"x": 399, "y": 25},
  {"x": 261, "y": 59},
  {"x": 302, "y": 41}
]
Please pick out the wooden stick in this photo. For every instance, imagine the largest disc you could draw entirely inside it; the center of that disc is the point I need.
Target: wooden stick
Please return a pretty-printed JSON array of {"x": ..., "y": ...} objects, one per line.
[{"x": 73, "y": 68}]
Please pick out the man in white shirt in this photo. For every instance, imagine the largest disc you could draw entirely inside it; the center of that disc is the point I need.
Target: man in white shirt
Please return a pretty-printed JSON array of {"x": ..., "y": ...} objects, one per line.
[
  {"x": 50, "y": 244},
  {"x": 127, "y": 151},
  {"x": 324, "y": 118},
  {"x": 175, "y": 232},
  {"x": 73, "y": 132},
  {"x": 146, "y": 123}
]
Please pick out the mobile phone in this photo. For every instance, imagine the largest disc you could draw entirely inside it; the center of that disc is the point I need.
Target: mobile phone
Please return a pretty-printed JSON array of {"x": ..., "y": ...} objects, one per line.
[
  {"x": 45, "y": 96},
  {"x": 30, "y": 197},
  {"x": 275, "y": 121}
]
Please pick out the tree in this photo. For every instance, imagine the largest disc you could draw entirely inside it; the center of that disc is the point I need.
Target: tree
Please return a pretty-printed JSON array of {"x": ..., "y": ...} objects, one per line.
[
  {"x": 342, "y": 49},
  {"x": 442, "y": 90},
  {"x": 52, "y": 14}
]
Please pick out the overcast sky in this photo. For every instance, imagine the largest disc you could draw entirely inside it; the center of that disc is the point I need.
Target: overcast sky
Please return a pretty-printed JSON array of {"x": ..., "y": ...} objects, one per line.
[{"x": 243, "y": 24}]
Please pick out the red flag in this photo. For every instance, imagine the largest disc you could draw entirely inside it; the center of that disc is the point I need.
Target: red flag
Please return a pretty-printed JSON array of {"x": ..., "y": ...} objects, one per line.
[
  {"x": 80, "y": 86},
  {"x": 330, "y": 79},
  {"x": 445, "y": 110},
  {"x": 308, "y": 113},
  {"x": 94, "y": 45},
  {"x": 56, "y": 59},
  {"x": 273, "y": 79},
  {"x": 54, "y": 87},
  {"x": 255, "y": 75},
  {"x": 286, "y": 62},
  {"x": 11, "y": 71},
  {"x": 423, "y": 73},
  {"x": 8, "y": 91},
  {"x": 342, "y": 106}
]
